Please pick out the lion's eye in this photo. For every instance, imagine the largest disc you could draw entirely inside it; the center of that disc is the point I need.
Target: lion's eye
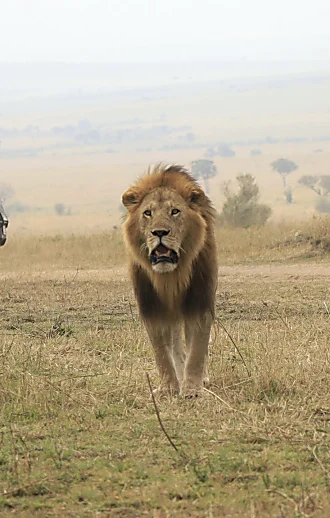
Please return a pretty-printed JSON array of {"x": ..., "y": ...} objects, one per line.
[
  {"x": 174, "y": 212},
  {"x": 147, "y": 213}
]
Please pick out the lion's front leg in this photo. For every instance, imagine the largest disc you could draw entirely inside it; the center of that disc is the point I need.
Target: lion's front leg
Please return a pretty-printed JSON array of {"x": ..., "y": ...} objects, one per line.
[
  {"x": 188, "y": 338},
  {"x": 197, "y": 337},
  {"x": 161, "y": 341},
  {"x": 178, "y": 352}
]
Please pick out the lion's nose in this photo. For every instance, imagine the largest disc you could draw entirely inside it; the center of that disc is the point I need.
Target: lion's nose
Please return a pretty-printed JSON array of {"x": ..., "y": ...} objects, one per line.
[{"x": 160, "y": 233}]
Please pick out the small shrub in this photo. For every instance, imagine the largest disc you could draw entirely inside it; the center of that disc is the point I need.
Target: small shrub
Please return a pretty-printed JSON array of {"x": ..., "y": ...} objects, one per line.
[
  {"x": 288, "y": 195},
  {"x": 322, "y": 205},
  {"x": 17, "y": 206},
  {"x": 59, "y": 208},
  {"x": 242, "y": 209},
  {"x": 225, "y": 151}
]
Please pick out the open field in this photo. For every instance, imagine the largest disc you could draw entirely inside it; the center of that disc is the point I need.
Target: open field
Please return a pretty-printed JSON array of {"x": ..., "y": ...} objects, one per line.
[
  {"x": 82, "y": 146},
  {"x": 91, "y": 185},
  {"x": 79, "y": 433}
]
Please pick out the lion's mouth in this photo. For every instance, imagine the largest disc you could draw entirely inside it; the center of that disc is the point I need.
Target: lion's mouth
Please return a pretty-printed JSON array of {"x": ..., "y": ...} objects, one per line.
[{"x": 162, "y": 254}]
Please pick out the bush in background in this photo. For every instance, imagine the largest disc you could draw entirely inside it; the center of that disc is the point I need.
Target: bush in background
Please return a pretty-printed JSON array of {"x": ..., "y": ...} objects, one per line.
[
  {"x": 322, "y": 205},
  {"x": 241, "y": 209}
]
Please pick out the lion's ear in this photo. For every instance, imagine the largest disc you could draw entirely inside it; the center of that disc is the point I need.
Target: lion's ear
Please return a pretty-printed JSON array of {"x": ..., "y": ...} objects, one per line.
[
  {"x": 196, "y": 196},
  {"x": 130, "y": 198}
]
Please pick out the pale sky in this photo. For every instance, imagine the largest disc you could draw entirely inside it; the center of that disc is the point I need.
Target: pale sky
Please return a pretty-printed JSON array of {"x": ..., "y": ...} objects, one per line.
[{"x": 163, "y": 30}]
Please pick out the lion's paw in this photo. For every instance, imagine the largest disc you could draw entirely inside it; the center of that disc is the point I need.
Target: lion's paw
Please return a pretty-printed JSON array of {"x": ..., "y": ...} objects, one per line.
[
  {"x": 191, "y": 391},
  {"x": 166, "y": 390},
  {"x": 193, "y": 395}
]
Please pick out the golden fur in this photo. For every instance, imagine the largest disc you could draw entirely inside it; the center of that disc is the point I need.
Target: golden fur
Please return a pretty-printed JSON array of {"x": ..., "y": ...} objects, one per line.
[{"x": 170, "y": 216}]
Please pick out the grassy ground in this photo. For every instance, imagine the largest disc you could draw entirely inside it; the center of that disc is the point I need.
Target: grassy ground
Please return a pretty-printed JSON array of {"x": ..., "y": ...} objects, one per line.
[
  {"x": 78, "y": 430},
  {"x": 278, "y": 242}
]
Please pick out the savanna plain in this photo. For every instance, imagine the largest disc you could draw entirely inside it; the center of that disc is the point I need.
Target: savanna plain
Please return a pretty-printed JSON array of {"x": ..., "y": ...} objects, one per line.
[{"x": 79, "y": 431}]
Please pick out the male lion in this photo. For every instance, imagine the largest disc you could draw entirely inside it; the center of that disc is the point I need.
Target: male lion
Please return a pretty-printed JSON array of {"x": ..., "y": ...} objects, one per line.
[{"x": 169, "y": 233}]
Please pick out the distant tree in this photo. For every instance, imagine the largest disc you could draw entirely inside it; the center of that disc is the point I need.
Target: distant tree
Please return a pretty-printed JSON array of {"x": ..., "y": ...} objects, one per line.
[
  {"x": 322, "y": 205},
  {"x": 31, "y": 130},
  {"x": 324, "y": 183},
  {"x": 255, "y": 152},
  {"x": 17, "y": 206},
  {"x": 204, "y": 169},
  {"x": 311, "y": 183},
  {"x": 6, "y": 192},
  {"x": 319, "y": 184},
  {"x": 94, "y": 136},
  {"x": 271, "y": 140},
  {"x": 225, "y": 151},
  {"x": 284, "y": 167},
  {"x": 59, "y": 208},
  {"x": 209, "y": 153},
  {"x": 190, "y": 137},
  {"x": 242, "y": 209},
  {"x": 84, "y": 126}
]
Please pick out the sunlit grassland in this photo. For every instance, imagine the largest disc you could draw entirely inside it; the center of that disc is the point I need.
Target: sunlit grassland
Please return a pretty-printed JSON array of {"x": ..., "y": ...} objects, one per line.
[
  {"x": 92, "y": 250},
  {"x": 78, "y": 430}
]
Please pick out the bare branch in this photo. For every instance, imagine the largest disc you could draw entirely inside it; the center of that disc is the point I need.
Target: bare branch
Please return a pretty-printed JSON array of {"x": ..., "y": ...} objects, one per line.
[{"x": 237, "y": 349}]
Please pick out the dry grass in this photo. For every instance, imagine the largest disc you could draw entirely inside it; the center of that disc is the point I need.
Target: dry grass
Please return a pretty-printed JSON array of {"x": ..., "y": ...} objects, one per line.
[
  {"x": 63, "y": 251},
  {"x": 274, "y": 242},
  {"x": 92, "y": 183},
  {"x": 79, "y": 435}
]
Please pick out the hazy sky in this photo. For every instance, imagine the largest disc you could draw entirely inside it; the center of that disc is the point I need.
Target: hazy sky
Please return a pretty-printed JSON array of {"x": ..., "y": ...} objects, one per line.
[{"x": 163, "y": 30}]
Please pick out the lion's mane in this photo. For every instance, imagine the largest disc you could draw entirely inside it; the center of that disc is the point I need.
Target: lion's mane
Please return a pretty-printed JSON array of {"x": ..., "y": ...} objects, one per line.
[{"x": 189, "y": 291}]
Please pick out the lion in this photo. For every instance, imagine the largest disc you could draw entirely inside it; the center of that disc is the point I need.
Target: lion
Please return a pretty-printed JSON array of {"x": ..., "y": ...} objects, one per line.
[{"x": 169, "y": 232}]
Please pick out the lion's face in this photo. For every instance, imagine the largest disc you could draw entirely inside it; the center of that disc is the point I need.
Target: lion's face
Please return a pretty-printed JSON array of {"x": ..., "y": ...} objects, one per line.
[
  {"x": 166, "y": 227},
  {"x": 162, "y": 217}
]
